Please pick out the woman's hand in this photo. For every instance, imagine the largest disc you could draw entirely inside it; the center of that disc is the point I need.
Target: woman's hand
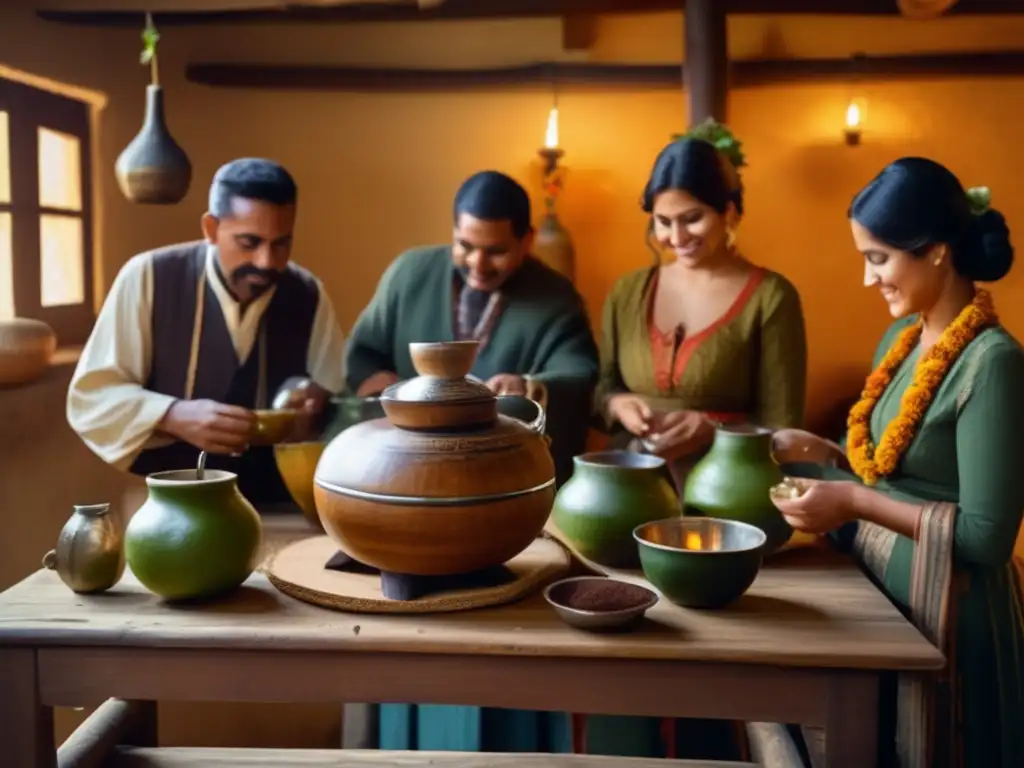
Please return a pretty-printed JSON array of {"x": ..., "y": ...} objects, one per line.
[
  {"x": 791, "y": 446},
  {"x": 679, "y": 433},
  {"x": 632, "y": 412},
  {"x": 825, "y": 506}
]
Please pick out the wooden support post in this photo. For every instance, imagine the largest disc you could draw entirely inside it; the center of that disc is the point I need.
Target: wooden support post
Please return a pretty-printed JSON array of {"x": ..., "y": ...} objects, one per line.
[{"x": 706, "y": 68}]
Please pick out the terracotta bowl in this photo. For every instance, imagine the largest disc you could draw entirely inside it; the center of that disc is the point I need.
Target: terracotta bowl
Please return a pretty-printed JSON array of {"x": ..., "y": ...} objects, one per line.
[
  {"x": 297, "y": 464},
  {"x": 599, "y": 604},
  {"x": 700, "y": 562},
  {"x": 445, "y": 359},
  {"x": 272, "y": 427}
]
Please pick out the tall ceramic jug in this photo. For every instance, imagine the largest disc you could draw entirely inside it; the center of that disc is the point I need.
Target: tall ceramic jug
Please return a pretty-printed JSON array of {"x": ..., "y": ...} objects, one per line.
[
  {"x": 193, "y": 537},
  {"x": 733, "y": 481},
  {"x": 609, "y": 494}
]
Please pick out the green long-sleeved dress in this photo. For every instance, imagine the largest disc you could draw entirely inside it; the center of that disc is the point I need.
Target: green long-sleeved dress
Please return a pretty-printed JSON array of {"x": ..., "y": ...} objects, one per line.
[
  {"x": 967, "y": 451},
  {"x": 542, "y": 331},
  {"x": 749, "y": 366}
]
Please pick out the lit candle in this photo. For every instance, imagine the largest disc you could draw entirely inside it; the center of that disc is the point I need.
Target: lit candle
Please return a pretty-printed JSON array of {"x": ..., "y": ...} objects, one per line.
[
  {"x": 551, "y": 135},
  {"x": 693, "y": 541},
  {"x": 853, "y": 117}
]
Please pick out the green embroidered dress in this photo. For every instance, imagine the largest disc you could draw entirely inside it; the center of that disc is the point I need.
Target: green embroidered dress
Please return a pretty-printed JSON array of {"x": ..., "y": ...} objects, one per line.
[
  {"x": 749, "y": 365},
  {"x": 966, "y": 453}
]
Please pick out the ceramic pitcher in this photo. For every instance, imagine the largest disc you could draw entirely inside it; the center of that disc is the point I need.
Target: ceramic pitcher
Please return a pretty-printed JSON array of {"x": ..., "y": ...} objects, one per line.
[
  {"x": 733, "y": 481},
  {"x": 609, "y": 494}
]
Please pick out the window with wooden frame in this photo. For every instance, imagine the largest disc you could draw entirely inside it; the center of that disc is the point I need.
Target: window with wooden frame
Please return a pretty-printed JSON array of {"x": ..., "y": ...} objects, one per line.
[{"x": 46, "y": 259}]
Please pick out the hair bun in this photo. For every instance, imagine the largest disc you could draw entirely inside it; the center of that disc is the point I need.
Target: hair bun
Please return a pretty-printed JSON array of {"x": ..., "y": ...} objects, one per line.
[{"x": 989, "y": 253}]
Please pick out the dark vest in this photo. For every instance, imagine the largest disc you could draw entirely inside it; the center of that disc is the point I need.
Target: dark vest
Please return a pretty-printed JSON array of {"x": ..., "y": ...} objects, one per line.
[{"x": 287, "y": 324}]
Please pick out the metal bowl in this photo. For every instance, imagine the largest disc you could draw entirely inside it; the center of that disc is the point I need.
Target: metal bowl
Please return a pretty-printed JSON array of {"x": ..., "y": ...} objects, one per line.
[
  {"x": 297, "y": 464},
  {"x": 297, "y": 461},
  {"x": 700, "y": 562},
  {"x": 626, "y": 602}
]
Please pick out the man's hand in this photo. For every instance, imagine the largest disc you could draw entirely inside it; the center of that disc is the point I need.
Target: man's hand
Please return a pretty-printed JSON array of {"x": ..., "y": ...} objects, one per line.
[
  {"x": 209, "y": 426},
  {"x": 309, "y": 403},
  {"x": 377, "y": 383},
  {"x": 507, "y": 384}
]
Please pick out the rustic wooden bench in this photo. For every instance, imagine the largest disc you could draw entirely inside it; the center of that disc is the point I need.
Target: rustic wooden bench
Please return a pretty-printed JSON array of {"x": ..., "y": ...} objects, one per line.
[
  {"x": 104, "y": 741},
  {"x": 136, "y": 757}
]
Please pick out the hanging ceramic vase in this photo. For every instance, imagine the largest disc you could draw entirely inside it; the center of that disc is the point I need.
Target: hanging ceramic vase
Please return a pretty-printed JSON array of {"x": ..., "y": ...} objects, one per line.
[
  {"x": 553, "y": 246},
  {"x": 733, "y": 482},
  {"x": 153, "y": 169}
]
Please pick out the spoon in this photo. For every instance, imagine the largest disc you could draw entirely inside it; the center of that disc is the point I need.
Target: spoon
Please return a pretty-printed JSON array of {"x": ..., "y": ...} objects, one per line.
[{"x": 201, "y": 466}]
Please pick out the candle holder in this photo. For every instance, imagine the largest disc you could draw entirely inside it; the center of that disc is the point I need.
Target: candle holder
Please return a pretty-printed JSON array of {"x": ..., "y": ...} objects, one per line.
[
  {"x": 553, "y": 245},
  {"x": 551, "y": 156}
]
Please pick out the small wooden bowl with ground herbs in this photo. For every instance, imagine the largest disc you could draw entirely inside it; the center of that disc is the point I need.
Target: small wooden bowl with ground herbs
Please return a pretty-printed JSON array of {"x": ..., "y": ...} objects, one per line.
[{"x": 599, "y": 604}]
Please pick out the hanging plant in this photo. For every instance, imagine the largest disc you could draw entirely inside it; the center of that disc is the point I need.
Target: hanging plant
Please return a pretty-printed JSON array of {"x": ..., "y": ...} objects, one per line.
[
  {"x": 150, "y": 37},
  {"x": 153, "y": 169}
]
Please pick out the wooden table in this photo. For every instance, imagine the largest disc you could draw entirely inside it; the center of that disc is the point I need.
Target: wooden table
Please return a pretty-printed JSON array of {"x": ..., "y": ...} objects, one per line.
[{"x": 806, "y": 645}]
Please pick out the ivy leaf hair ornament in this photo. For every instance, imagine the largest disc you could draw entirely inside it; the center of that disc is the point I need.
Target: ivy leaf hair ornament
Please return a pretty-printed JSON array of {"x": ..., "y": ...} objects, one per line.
[{"x": 980, "y": 200}]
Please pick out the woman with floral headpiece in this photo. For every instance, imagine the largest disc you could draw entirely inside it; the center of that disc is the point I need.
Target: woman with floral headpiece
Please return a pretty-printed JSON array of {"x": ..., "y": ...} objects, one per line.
[
  {"x": 701, "y": 337},
  {"x": 934, "y": 503}
]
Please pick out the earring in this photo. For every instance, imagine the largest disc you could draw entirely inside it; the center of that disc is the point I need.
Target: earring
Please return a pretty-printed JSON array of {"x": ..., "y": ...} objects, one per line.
[
  {"x": 938, "y": 261},
  {"x": 730, "y": 237}
]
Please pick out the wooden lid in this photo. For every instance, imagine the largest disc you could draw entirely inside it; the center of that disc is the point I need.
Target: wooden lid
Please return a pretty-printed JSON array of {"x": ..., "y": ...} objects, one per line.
[{"x": 430, "y": 390}]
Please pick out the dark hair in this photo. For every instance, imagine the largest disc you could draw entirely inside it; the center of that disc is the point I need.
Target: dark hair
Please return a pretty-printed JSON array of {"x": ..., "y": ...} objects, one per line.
[
  {"x": 697, "y": 167},
  {"x": 493, "y": 196},
  {"x": 251, "y": 178},
  {"x": 915, "y": 203}
]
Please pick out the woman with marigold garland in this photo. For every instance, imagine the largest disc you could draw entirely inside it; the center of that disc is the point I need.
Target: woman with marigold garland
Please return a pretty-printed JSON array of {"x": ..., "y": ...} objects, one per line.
[{"x": 935, "y": 500}]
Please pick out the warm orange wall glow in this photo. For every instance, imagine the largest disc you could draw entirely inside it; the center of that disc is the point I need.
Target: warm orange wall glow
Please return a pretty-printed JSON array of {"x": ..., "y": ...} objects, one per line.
[{"x": 377, "y": 172}]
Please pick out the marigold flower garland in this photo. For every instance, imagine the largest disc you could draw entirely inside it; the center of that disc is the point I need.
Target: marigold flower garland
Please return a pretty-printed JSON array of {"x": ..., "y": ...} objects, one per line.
[{"x": 872, "y": 463}]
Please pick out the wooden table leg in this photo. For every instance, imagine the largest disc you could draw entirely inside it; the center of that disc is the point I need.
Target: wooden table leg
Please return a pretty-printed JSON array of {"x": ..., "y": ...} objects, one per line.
[
  {"x": 144, "y": 732},
  {"x": 26, "y": 727},
  {"x": 851, "y": 720}
]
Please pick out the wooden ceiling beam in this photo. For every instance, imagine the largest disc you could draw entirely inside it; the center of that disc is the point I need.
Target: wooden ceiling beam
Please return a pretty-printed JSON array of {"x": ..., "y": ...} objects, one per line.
[
  {"x": 477, "y": 9},
  {"x": 745, "y": 73}
]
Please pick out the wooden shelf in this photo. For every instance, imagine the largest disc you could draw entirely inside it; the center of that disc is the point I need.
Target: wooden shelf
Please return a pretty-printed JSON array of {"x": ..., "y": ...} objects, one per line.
[
  {"x": 475, "y": 9},
  {"x": 544, "y": 75}
]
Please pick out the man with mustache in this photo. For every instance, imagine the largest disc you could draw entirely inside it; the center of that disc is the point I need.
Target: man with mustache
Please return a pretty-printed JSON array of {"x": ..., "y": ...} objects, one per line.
[
  {"x": 530, "y": 321},
  {"x": 193, "y": 337}
]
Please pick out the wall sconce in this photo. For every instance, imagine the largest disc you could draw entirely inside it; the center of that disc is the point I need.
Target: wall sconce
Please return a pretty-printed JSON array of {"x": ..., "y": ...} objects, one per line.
[
  {"x": 853, "y": 123},
  {"x": 553, "y": 245}
]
